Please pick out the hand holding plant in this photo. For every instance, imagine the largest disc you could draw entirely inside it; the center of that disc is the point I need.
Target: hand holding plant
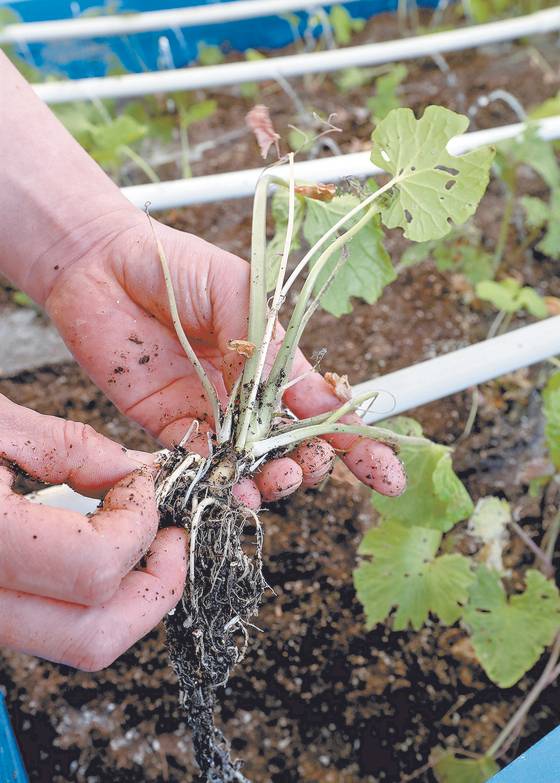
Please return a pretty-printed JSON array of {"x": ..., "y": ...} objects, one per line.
[{"x": 67, "y": 591}]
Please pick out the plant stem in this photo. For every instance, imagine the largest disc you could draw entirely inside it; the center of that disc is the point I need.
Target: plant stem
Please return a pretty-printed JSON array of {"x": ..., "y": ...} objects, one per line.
[
  {"x": 329, "y": 416},
  {"x": 205, "y": 381},
  {"x": 140, "y": 162},
  {"x": 552, "y": 537},
  {"x": 546, "y": 565},
  {"x": 271, "y": 318},
  {"x": 283, "y": 362},
  {"x": 257, "y": 295},
  {"x": 392, "y": 439},
  {"x": 502, "y": 741}
]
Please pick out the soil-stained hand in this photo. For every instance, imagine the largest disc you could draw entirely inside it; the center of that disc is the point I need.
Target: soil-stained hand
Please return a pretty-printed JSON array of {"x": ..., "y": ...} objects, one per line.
[
  {"x": 112, "y": 310},
  {"x": 71, "y": 588}
]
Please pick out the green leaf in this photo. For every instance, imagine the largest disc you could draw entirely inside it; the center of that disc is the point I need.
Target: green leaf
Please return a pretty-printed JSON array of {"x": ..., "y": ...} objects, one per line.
[
  {"x": 537, "y": 211},
  {"x": 510, "y": 636},
  {"x": 404, "y": 572},
  {"x": 533, "y": 151},
  {"x": 344, "y": 25},
  {"x": 533, "y": 302},
  {"x": 210, "y": 54},
  {"x": 108, "y": 138},
  {"x": 548, "y": 108},
  {"x": 470, "y": 260},
  {"x": 434, "y": 189},
  {"x": 435, "y": 496},
  {"x": 451, "y": 769},
  {"x": 550, "y": 244},
  {"x": 386, "y": 98},
  {"x": 368, "y": 268},
  {"x": 354, "y": 78},
  {"x": 551, "y": 409},
  {"x": 275, "y": 247},
  {"x": 509, "y": 296},
  {"x": 416, "y": 253},
  {"x": 197, "y": 112}
]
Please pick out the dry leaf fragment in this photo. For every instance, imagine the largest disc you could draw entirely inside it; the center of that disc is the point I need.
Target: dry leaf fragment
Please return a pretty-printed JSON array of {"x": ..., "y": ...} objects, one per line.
[
  {"x": 319, "y": 192},
  {"x": 242, "y": 347},
  {"x": 340, "y": 385},
  {"x": 258, "y": 120}
]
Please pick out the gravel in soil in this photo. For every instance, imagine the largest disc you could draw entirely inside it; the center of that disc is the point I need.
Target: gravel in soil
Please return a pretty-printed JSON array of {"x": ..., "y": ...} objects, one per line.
[{"x": 318, "y": 698}]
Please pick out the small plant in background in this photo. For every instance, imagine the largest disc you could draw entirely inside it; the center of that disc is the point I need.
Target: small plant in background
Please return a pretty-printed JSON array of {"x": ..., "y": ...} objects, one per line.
[
  {"x": 408, "y": 571},
  {"x": 344, "y": 26},
  {"x": 386, "y": 97}
]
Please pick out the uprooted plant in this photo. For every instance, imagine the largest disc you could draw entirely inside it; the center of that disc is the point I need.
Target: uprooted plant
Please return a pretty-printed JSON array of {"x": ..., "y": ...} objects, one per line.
[{"x": 427, "y": 191}]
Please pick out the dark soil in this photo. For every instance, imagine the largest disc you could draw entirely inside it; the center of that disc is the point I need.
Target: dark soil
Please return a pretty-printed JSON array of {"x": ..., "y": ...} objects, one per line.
[{"x": 318, "y": 698}]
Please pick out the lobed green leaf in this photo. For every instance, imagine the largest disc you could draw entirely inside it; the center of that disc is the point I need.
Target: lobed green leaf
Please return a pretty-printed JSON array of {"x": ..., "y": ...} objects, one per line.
[
  {"x": 368, "y": 268},
  {"x": 405, "y": 573},
  {"x": 435, "y": 496},
  {"x": 435, "y": 190},
  {"x": 510, "y": 636}
]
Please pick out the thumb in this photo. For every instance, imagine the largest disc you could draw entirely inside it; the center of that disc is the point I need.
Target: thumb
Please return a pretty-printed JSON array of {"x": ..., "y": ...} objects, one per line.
[{"x": 59, "y": 451}]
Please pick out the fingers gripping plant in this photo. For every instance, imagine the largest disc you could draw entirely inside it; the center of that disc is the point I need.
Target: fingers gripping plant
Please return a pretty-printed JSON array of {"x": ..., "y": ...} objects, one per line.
[{"x": 427, "y": 191}]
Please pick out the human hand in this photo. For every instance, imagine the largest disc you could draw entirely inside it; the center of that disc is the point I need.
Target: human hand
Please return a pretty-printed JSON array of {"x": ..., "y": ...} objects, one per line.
[
  {"x": 112, "y": 310},
  {"x": 67, "y": 591}
]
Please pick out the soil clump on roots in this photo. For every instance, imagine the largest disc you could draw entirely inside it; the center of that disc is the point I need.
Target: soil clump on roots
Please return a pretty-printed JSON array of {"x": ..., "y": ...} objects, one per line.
[{"x": 207, "y": 633}]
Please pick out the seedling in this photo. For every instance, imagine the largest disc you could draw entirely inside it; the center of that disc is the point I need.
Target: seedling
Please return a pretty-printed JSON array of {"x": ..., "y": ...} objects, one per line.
[{"x": 426, "y": 192}]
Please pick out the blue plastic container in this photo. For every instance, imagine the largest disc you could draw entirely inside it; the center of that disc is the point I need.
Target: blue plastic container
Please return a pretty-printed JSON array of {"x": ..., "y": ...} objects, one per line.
[
  {"x": 11, "y": 765},
  {"x": 540, "y": 764},
  {"x": 141, "y": 52}
]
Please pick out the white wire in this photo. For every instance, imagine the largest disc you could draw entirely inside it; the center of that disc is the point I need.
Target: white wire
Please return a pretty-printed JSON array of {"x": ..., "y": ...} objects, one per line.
[{"x": 202, "y": 77}]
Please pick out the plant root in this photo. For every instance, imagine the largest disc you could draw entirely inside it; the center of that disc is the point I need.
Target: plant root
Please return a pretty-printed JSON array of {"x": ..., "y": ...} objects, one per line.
[{"x": 206, "y": 633}]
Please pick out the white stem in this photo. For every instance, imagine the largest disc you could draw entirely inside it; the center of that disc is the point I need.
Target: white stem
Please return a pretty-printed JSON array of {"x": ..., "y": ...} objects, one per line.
[
  {"x": 272, "y": 317},
  {"x": 262, "y": 447},
  {"x": 211, "y": 393}
]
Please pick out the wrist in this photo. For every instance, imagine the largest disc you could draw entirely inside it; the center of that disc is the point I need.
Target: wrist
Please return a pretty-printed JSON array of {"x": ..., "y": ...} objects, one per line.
[{"x": 100, "y": 227}]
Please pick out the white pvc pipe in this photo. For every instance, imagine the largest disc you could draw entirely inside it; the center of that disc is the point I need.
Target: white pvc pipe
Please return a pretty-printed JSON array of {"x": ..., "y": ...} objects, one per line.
[
  {"x": 131, "y": 23},
  {"x": 297, "y": 64},
  {"x": 419, "y": 384},
  {"x": 238, "y": 184},
  {"x": 425, "y": 382}
]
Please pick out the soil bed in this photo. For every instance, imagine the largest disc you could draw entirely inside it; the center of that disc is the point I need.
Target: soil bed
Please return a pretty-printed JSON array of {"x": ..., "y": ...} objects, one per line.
[{"x": 317, "y": 698}]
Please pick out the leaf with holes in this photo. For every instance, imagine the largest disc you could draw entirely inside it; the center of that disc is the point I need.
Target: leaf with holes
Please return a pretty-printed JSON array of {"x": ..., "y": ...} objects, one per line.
[
  {"x": 551, "y": 408},
  {"x": 405, "y": 573},
  {"x": 509, "y": 636},
  {"x": 451, "y": 769},
  {"x": 368, "y": 268},
  {"x": 435, "y": 497},
  {"x": 435, "y": 190}
]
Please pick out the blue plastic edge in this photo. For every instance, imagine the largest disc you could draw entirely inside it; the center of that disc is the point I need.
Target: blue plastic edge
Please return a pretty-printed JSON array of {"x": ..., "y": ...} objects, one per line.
[
  {"x": 539, "y": 764},
  {"x": 140, "y": 52},
  {"x": 11, "y": 764}
]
